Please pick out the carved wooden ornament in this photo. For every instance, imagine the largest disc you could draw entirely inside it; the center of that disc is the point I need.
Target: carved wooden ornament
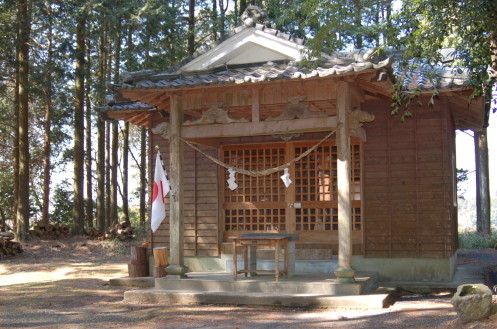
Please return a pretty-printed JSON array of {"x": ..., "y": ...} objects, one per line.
[
  {"x": 161, "y": 129},
  {"x": 357, "y": 117},
  {"x": 214, "y": 115},
  {"x": 296, "y": 110}
]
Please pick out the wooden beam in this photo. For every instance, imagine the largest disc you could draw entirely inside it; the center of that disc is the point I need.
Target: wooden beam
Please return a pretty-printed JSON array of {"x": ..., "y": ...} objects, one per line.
[
  {"x": 176, "y": 269},
  {"x": 375, "y": 88},
  {"x": 357, "y": 95},
  {"x": 238, "y": 129}
]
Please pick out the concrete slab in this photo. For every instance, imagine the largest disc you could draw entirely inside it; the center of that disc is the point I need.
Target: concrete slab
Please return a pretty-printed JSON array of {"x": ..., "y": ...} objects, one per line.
[
  {"x": 297, "y": 291},
  {"x": 144, "y": 282},
  {"x": 292, "y": 300},
  {"x": 298, "y": 284},
  {"x": 464, "y": 274}
]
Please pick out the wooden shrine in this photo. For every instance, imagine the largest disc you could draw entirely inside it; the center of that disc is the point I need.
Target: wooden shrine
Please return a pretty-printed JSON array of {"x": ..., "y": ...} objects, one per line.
[{"x": 376, "y": 192}]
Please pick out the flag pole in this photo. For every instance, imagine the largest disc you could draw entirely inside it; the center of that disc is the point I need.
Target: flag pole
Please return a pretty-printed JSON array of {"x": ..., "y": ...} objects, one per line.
[{"x": 160, "y": 156}]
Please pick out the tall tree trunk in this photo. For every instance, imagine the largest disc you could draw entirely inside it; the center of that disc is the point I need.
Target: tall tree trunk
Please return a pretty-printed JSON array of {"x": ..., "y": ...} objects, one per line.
[
  {"x": 108, "y": 197},
  {"x": 78, "y": 208},
  {"x": 243, "y": 6},
  {"x": 23, "y": 62},
  {"x": 482, "y": 183},
  {"x": 387, "y": 12},
  {"x": 236, "y": 12},
  {"x": 47, "y": 152},
  {"x": 358, "y": 23},
  {"x": 215, "y": 20},
  {"x": 222, "y": 17},
  {"x": 88, "y": 159},
  {"x": 125, "y": 173},
  {"x": 101, "y": 224},
  {"x": 15, "y": 151},
  {"x": 143, "y": 175},
  {"x": 191, "y": 27},
  {"x": 115, "y": 134},
  {"x": 492, "y": 38},
  {"x": 102, "y": 61},
  {"x": 114, "y": 166}
]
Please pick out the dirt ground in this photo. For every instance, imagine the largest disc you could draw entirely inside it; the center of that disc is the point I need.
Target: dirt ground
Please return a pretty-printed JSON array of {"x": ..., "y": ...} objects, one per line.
[{"x": 64, "y": 284}]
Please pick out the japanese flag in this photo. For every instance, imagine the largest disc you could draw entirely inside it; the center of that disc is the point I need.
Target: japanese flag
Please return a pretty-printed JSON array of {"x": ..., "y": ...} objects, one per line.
[{"x": 160, "y": 190}]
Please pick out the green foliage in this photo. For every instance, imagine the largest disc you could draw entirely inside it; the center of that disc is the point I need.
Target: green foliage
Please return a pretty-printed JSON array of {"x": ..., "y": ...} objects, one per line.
[
  {"x": 335, "y": 25},
  {"x": 424, "y": 27},
  {"x": 462, "y": 177},
  {"x": 62, "y": 203},
  {"x": 473, "y": 240}
]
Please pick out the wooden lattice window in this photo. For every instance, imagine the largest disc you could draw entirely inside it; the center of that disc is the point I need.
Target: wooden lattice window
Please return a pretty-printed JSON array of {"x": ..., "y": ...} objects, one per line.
[
  {"x": 263, "y": 203},
  {"x": 316, "y": 188},
  {"x": 255, "y": 220},
  {"x": 258, "y": 204}
]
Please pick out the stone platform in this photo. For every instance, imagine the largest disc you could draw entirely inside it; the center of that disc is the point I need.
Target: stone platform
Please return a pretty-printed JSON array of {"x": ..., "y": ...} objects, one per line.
[{"x": 296, "y": 291}]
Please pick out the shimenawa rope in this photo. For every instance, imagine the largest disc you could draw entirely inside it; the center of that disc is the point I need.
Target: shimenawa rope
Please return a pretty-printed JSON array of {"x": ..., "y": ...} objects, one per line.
[{"x": 265, "y": 172}]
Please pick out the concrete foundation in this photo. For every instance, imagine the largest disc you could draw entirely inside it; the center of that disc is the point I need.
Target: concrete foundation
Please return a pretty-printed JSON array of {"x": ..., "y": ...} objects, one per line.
[
  {"x": 302, "y": 291},
  {"x": 388, "y": 269},
  {"x": 409, "y": 269}
]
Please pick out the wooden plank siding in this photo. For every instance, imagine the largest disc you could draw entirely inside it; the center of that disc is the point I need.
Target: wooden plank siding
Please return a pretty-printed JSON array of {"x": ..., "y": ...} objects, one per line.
[
  {"x": 408, "y": 184},
  {"x": 200, "y": 210}
]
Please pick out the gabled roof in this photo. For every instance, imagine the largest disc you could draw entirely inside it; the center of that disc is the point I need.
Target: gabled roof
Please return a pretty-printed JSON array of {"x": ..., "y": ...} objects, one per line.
[
  {"x": 254, "y": 53},
  {"x": 249, "y": 44}
]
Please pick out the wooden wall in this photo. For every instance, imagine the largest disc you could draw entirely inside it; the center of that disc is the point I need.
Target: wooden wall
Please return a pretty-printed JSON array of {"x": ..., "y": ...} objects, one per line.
[
  {"x": 409, "y": 192},
  {"x": 409, "y": 185},
  {"x": 200, "y": 205}
]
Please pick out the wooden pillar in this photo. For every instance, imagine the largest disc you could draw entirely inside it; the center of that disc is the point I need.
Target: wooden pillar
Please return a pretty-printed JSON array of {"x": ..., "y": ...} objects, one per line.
[
  {"x": 176, "y": 268},
  {"x": 255, "y": 104},
  {"x": 344, "y": 272},
  {"x": 482, "y": 183}
]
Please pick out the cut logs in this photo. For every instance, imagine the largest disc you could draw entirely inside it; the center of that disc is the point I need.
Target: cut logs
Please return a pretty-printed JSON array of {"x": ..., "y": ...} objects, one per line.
[
  {"x": 138, "y": 265},
  {"x": 161, "y": 260},
  {"x": 120, "y": 231},
  {"x": 7, "y": 246},
  {"x": 94, "y": 234},
  {"x": 50, "y": 230}
]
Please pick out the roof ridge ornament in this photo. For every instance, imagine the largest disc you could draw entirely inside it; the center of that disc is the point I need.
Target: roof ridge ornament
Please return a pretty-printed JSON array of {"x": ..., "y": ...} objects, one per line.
[{"x": 254, "y": 15}]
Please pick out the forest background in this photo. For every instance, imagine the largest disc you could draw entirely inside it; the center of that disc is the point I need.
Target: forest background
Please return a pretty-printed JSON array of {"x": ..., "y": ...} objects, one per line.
[{"x": 60, "y": 162}]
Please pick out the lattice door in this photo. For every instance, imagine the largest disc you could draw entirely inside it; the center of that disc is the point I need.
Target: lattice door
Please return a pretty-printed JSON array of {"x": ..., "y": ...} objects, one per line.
[
  {"x": 308, "y": 206},
  {"x": 316, "y": 188},
  {"x": 258, "y": 204}
]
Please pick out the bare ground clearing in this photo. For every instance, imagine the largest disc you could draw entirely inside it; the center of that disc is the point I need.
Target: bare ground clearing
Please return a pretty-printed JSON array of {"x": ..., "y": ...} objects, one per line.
[{"x": 64, "y": 284}]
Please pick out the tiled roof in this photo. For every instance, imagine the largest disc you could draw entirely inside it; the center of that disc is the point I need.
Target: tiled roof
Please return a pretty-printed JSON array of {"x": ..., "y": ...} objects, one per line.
[
  {"x": 422, "y": 76},
  {"x": 335, "y": 64},
  {"x": 260, "y": 72},
  {"x": 126, "y": 106}
]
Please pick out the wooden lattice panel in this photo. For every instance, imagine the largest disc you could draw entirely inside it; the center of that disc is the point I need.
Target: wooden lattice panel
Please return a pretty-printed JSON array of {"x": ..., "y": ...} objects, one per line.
[
  {"x": 316, "y": 219},
  {"x": 258, "y": 202},
  {"x": 316, "y": 187},
  {"x": 309, "y": 204},
  {"x": 256, "y": 189},
  {"x": 255, "y": 220}
]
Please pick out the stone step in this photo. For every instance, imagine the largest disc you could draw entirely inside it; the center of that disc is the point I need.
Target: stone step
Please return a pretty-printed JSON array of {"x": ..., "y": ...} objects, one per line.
[
  {"x": 375, "y": 300},
  {"x": 299, "y": 284}
]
